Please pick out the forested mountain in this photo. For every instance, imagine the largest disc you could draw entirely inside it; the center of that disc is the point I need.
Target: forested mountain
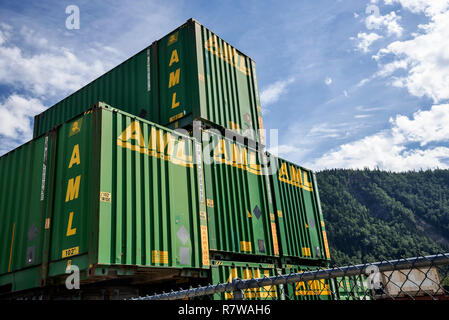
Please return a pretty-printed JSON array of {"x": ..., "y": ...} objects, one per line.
[{"x": 374, "y": 215}]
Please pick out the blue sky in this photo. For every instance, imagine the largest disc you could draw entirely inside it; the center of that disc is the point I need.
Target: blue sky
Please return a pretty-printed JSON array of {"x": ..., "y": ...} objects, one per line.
[{"x": 347, "y": 83}]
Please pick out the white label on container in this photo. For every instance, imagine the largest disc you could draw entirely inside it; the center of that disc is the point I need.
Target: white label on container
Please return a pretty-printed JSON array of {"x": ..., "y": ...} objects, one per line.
[
  {"x": 148, "y": 70},
  {"x": 200, "y": 170},
  {"x": 44, "y": 169}
]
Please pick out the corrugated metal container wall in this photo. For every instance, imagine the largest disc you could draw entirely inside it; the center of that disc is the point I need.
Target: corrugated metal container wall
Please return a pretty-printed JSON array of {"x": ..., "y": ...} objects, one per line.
[
  {"x": 154, "y": 215},
  {"x": 240, "y": 213},
  {"x": 189, "y": 74},
  {"x": 302, "y": 231},
  {"x": 320, "y": 289},
  {"x": 193, "y": 59},
  {"x": 226, "y": 271},
  {"x": 23, "y": 178},
  {"x": 127, "y": 87},
  {"x": 123, "y": 192}
]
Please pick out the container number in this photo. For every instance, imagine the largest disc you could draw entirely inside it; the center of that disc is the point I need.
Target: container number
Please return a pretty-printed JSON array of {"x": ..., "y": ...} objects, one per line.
[{"x": 70, "y": 252}]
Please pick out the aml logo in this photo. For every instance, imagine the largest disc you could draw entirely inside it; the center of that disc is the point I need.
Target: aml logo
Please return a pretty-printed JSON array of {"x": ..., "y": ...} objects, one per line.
[
  {"x": 229, "y": 153},
  {"x": 163, "y": 145},
  {"x": 295, "y": 177},
  {"x": 227, "y": 53},
  {"x": 263, "y": 292}
]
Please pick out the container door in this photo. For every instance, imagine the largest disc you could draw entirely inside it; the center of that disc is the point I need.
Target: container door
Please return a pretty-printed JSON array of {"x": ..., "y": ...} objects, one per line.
[
  {"x": 150, "y": 210},
  {"x": 74, "y": 187},
  {"x": 23, "y": 199},
  {"x": 177, "y": 71},
  {"x": 240, "y": 216}
]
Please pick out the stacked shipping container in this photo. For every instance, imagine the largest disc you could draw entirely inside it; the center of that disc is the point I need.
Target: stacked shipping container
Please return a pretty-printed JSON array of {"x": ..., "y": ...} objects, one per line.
[
  {"x": 190, "y": 74},
  {"x": 239, "y": 205},
  {"x": 118, "y": 193},
  {"x": 297, "y": 205},
  {"x": 112, "y": 191}
]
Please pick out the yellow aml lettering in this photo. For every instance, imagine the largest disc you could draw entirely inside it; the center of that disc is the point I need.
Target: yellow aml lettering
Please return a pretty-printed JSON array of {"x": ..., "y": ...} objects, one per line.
[
  {"x": 174, "y": 103},
  {"x": 253, "y": 162},
  {"x": 236, "y": 155},
  {"x": 307, "y": 184},
  {"x": 174, "y": 57},
  {"x": 70, "y": 231},
  {"x": 232, "y": 276},
  {"x": 283, "y": 174},
  {"x": 73, "y": 187},
  {"x": 162, "y": 143},
  {"x": 75, "y": 158},
  {"x": 212, "y": 45},
  {"x": 247, "y": 274},
  {"x": 174, "y": 78},
  {"x": 295, "y": 176},
  {"x": 242, "y": 66},
  {"x": 181, "y": 154},
  {"x": 220, "y": 151},
  {"x": 133, "y": 132},
  {"x": 228, "y": 54}
]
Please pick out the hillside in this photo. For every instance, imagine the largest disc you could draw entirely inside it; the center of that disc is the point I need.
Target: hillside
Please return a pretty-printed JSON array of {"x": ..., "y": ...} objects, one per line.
[{"x": 375, "y": 215}]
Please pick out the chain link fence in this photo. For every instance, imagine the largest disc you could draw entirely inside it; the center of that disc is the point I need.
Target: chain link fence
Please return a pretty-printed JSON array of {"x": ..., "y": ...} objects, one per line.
[{"x": 418, "y": 278}]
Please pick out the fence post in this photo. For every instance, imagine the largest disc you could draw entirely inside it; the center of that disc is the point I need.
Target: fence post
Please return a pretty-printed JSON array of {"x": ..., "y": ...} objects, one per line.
[{"x": 238, "y": 293}]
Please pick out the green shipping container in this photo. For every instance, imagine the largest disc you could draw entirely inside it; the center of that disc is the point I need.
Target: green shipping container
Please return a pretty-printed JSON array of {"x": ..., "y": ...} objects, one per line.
[
  {"x": 239, "y": 210},
  {"x": 190, "y": 74},
  {"x": 127, "y": 86},
  {"x": 319, "y": 289},
  {"x": 226, "y": 271},
  {"x": 353, "y": 288},
  {"x": 110, "y": 193},
  {"x": 302, "y": 233}
]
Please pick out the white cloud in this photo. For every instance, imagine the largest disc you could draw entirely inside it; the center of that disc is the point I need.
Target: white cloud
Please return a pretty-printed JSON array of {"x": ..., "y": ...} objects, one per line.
[
  {"x": 365, "y": 40},
  {"x": 44, "y": 73},
  {"x": 390, "y": 149},
  {"x": 389, "y": 21},
  {"x": 425, "y": 57},
  {"x": 301, "y": 139},
  {"x": 34, "y": 64},
  {"x": 16, "y": 115},
  {"x": 425, "y": 127},
  {"x": 421, "y": 65},
  {"x": 326, "y": 130},
  {"x": 369, "y": 109},
  {"x": 429, "y": 7},
  {"x": 284, "y": 149},
  {"x": 31, "y": 38},
  {"x": 273, "y": 92},
  {"x": 4, "y": 32}
]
